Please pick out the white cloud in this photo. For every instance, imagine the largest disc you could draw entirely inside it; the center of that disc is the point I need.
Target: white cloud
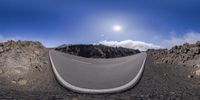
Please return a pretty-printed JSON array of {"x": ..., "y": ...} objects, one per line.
[
  {"x": 142, "y": 46},
  {"x": 190, "y": 37}
]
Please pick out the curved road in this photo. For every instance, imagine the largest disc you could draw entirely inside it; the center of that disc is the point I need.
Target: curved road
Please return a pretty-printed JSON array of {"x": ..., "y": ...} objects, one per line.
[{"x": 89, "y": 75}]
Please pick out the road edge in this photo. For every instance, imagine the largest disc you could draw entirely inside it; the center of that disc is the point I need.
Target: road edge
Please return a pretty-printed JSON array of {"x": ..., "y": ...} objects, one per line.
[{"x": 97, "y": 91}]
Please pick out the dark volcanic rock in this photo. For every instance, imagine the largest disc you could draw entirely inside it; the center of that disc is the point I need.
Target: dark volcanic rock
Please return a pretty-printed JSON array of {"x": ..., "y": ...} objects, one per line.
[
  {"x": 97, "y": 51},
  {"x": 183, "y": 54}
]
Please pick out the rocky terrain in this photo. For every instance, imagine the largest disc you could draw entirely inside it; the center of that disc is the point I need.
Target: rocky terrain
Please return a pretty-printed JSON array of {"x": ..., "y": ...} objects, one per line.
[
  {"x": 97, "y": 51},
  {"x": 21, "y": 65},
  {"x": 181, "y": 54},
  {"x": 26, "y": 74},
  {"x": 186, "y": 54}
]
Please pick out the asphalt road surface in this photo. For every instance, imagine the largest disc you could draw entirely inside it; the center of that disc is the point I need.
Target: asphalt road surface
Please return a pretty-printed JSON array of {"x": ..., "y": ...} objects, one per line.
[{"x": 89, "y": 75}]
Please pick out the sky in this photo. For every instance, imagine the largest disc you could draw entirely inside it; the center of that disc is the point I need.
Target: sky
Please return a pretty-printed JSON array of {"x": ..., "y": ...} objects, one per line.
[{"x": 145, "y": 23}]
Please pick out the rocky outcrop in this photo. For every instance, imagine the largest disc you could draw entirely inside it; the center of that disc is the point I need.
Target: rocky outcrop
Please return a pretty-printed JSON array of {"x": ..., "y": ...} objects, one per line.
[
  {"x": 21, "y": 61},
  {"x": 97, "y": 51},
  {"x": 186, "y": 54}
]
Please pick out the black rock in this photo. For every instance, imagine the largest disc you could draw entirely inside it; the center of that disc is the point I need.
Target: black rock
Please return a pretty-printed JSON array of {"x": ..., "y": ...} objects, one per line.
[{"x": 96, "y": 51}]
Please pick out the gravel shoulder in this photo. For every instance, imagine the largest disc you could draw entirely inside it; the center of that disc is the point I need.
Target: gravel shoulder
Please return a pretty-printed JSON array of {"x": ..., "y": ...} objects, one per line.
[{"x": 159, "y": 81}]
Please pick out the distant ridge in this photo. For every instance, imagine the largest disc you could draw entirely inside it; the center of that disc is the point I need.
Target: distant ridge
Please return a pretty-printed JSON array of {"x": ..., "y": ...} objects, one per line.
[{"x": 96, "y": 51}]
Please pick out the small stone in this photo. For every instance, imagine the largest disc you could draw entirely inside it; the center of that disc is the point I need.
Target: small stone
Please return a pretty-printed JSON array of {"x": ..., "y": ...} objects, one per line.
[
  {"x": 197, "y": 72},
  {"x": 38, "y": 67},
  {"x": 190, "y": 76},
  {"x": 22, "y": 82},
  {"x": 197, "y": 65},
  {"x": 183, "y": 61},
  {"x": 142, "y": 96},
  {"x": 172, "y": 93},
  {"x": 166, "y": 61},
  {"x": 37, "y": 52},
  {"x": 14, "y": 82}
]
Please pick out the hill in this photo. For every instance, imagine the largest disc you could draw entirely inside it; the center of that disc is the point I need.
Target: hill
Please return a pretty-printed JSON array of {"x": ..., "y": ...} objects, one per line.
[{"x": 96, "y": 51}]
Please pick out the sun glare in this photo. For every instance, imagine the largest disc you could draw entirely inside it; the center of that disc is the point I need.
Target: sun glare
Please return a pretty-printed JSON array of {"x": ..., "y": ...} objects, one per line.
[{"x": 117, "y": 28}]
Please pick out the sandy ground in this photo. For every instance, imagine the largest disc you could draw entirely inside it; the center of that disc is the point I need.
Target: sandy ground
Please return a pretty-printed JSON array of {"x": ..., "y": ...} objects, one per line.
[{"x": 159, "y": 82}]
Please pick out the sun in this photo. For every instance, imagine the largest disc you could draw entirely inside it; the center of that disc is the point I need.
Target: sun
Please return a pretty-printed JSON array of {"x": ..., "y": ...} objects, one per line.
[{"x": 117, "y": 28}]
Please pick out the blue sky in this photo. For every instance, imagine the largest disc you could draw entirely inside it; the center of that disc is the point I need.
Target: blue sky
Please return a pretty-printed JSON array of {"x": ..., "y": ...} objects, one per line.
[{"x": 54, "y": 22}]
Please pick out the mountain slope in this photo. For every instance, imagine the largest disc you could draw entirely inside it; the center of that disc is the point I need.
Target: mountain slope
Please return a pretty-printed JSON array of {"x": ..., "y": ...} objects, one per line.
[{"x": 97, "y": 51}]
